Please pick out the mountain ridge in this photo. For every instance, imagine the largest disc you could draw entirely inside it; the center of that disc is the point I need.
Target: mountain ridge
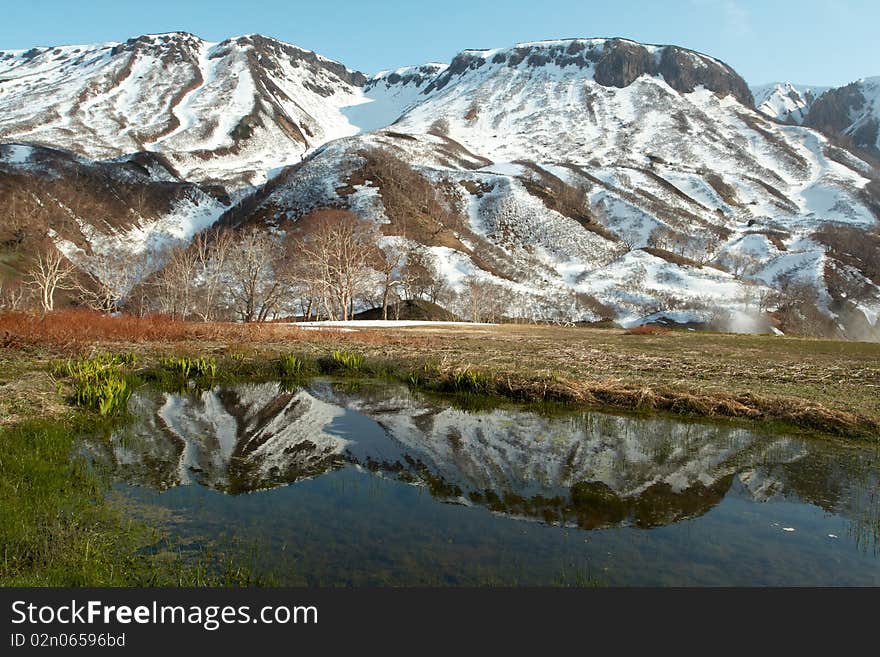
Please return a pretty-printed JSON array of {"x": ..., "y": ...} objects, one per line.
[{"x": 158, "y": 92}]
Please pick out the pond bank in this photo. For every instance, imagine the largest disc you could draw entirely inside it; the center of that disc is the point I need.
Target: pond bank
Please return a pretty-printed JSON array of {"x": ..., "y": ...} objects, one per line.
[{"x": 814, "y": 385}]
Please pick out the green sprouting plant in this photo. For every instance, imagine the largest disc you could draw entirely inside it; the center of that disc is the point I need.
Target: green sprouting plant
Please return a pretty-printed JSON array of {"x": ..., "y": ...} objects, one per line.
[
  {"x": 177, "y": 366},
  {"x": 107, "y": 394},
  {"x": 424, "y": 375},
  {"x": 290, "y": 366},
  {"x": 99, "y": 383},
  {"x": 85, "y": 367},
  {"x": 191, "y": 367},
  {"x": 206, "y": 367},
  {"x": 470, "y": 381},
  {"x": 349, "y": 360}
]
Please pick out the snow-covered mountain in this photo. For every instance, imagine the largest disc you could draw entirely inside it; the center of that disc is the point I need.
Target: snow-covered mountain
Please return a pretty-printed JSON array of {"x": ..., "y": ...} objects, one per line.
[
  {"x": 851, "y": 112},
  {"x": 228, "y": 112},
  {"x": 131, "y": 206},
  {"x": 786, "y": 101},
  {"x": 389, "y": 93},
  {"x": 583, "y": 177},
  {"x": 638, "y": 176}
]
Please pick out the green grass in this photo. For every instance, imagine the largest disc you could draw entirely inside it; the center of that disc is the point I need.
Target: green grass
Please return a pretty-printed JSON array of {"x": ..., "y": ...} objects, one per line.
[
  {"x": 54, "y": 527},
  {"x": 58, "y": 529},
  {"x": 102, "y": 383},
  {"x": 344, "y": 361}
]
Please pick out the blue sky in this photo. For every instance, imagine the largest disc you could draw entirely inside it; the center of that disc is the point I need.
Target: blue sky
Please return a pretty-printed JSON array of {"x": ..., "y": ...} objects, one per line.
[{"x": 808, "y": 41}]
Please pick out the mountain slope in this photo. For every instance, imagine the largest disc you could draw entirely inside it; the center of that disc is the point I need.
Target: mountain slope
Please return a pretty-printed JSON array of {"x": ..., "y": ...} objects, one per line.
[
  {"x": 228, "y": 111},
  {"x": 129, "y": 207},
  {"x": 576, "y": 179},
  {"x": 851, "y": 112},
  {"x": 638, "y": 177},
  {"x": 785, "y": 101}
]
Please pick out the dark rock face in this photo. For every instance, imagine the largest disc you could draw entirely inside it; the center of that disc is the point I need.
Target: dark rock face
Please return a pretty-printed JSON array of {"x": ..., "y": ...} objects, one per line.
[
  {"x": 297, "y": 57},
  {"x": 830, "y": 113},
  {"x": 417, "y": 76},
  {"x": 465, "y": 61},
  {"x": 680, "y": 70},
  {"x": 622, "y": 63},
  {"x": 865, "y": 136},
  {"x": 618, "y": 63},
  {"x": 168, "y": 48}
]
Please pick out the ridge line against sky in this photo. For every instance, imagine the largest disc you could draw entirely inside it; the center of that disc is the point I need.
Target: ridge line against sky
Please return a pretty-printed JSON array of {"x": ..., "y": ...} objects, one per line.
[{"x": 817, "y": 42}]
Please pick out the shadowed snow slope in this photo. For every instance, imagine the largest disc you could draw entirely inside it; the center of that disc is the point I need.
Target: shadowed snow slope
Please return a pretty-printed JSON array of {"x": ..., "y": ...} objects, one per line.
[
  {"x": 228, "y": 111},
  {"x": 851, "y": 112},
  {"x": 133, "y": 205}
]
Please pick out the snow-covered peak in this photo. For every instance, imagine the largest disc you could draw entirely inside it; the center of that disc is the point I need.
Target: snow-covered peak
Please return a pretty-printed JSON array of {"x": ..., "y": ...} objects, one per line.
[
  {"x": 851, "y": 112},
  {"x": 228, "y": 111},
  {"x": 390, "y": 93},
  {"x": 415, "y": 75},
  {"x": 786, "y": 101}
]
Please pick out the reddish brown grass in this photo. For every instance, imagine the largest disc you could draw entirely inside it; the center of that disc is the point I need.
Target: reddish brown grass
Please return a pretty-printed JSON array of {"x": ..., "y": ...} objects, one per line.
[
  {"x": 646, "y": 329},
  {"x": 80, "y": 327},
  {"x": 73, "y": 329}
]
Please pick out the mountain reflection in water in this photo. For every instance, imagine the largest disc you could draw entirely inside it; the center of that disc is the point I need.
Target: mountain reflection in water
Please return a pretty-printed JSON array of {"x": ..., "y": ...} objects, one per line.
[{"x": 590, "y": 470}]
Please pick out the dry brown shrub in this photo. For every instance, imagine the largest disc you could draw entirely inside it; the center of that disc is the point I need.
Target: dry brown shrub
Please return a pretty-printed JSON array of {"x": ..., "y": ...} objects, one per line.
[
  {"x": 76, "y": 329},
  {"x": 70, "y": 327},
  {"x": 646, "y": 329}
]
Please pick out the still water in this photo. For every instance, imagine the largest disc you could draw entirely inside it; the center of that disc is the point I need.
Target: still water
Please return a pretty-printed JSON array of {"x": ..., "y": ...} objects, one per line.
[{"x": 371, "y": 484}]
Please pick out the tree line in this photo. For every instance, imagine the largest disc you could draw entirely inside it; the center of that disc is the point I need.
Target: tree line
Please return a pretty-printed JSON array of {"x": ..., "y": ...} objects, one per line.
[{"x": 330, "y": 265}]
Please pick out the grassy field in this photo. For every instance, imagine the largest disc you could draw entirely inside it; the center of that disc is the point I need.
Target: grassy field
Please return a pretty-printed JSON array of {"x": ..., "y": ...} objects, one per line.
[{"x": 818, "y": 385}]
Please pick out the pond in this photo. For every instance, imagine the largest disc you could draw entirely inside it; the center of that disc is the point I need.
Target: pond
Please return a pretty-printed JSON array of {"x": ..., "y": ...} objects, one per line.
[{"x": 341, "y": 484}]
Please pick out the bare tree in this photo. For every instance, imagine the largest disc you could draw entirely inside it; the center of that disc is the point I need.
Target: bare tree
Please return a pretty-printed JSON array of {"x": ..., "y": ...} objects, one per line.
[
  {"x": 338, "y": 248},
  {"x": 418, "y": 276},
  {"x": 738, "y": 263},
  {"x": 175, "y": 282},
  {"x": 474, "y": 298},
  {"x": 51, "y": 272},
  {"x": 11, "y": 296},
  {"x": 211, "y": 249},
  {"x": 799, "y": 309},
  {"x": 109, "y": 277},
  {"x": 254, "y": 275},
  {"x": 302, "y": 283},
  {"x": 388, "y": 263}
]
